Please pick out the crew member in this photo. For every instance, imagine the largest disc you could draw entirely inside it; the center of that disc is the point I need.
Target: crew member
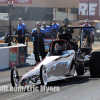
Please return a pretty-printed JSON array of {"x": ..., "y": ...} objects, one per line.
[
  {"x": 88, "y": 32},
  {"x": 38, "y": 34},
  {"x": 55, "y": 26},
  {"x": 46, "y": 28},
  {"x": 63, "y": 29},
  {"x": 21, "y": 30}
]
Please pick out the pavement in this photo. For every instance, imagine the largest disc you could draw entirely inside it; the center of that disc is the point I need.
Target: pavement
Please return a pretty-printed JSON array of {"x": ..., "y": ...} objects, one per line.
[
  {"x": 78, "y": 88},
  {"x": 5, "y": 75}
]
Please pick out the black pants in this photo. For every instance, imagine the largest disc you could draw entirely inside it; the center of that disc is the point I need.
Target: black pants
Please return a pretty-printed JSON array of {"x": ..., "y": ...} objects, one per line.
[
  {"x": 21, "y": 39},
  {"x": 39, "y": 49}
]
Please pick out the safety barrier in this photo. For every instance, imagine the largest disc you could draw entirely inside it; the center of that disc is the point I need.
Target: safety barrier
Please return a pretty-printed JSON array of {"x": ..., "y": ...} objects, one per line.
[{"x": 14, "y": 55}]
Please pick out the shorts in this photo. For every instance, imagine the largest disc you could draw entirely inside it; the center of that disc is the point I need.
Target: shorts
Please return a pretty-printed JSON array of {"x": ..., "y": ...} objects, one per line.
[{"x": 89, "y": 38}]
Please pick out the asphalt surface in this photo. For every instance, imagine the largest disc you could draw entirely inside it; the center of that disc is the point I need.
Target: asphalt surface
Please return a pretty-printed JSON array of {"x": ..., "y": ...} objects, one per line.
[{"x": 77, "y": 88}]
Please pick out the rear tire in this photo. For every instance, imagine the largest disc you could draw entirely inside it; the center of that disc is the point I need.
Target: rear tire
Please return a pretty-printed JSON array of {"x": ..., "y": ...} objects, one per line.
[{"x": 94, "y": 64}]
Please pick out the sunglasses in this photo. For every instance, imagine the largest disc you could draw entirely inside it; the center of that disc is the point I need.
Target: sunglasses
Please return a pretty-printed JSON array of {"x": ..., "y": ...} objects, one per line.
[{"x": 65, "y": 21}]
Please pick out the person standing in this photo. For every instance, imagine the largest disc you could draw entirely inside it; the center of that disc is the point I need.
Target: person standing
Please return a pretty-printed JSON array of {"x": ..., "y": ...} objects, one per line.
[
  {"x": 55, "y": 26},
  {"x": 38, "y": 33},
  {"x": 21, "y": 30},
  {"x": 88, "y": 33},
  {"x": 63, "y": 29},
  {"x": 46, "y": 28}
]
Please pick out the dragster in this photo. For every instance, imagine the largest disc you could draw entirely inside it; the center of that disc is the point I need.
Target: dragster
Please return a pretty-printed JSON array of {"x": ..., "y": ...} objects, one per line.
[{"x": 64, "y": 60}]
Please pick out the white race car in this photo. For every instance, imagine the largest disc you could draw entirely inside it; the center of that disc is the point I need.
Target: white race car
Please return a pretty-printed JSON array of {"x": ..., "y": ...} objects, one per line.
[
  {"x": 57, "y": 65},
  {"x": 60, "y": 63}
]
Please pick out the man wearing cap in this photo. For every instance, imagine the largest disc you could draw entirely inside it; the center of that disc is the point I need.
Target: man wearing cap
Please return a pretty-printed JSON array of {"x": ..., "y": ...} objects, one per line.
[
  {"x": 88, "y": 32},
  {"x": 46, "y": 28},
  {"x": 38, "y": 33},
  {"x": 63, "y": 29},
  {"x": 55, "y": 26},
  {"x": 21, "y": 29}
]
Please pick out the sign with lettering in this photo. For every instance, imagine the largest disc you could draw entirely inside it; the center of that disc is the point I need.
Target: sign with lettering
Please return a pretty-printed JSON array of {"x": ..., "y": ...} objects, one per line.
[
  {"x": 94, "y": 12},
  {"x": 13, "y": 56}
]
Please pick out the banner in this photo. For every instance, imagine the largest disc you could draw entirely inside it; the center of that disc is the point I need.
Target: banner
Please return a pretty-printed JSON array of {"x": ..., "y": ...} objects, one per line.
[
  {"x": 13, "y": 56},
  {"x": 17, "y": 1},
  {"x": 94, "y": 9},
  {"x": 22, "y": 55}
]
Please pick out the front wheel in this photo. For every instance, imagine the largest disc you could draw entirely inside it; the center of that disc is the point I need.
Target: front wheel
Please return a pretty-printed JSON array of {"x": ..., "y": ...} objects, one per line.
[
  {"x": 43, "y": 75},
  {"x": 14, "y": 77}
]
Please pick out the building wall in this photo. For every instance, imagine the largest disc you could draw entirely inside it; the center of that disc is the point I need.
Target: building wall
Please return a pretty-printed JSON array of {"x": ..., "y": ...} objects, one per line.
[{"x": 67, "y": 5}]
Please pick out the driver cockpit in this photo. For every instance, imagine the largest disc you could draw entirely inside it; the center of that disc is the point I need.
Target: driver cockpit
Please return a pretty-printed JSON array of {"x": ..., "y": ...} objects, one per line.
[{"x": 58, "y": 47}]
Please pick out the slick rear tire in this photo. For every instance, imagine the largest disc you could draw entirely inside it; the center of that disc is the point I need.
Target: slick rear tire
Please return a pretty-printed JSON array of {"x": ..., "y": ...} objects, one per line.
[
  {"x": 43, "y": 75},
  {"x": 14, "y": 77},
  {"x": 94, "y": 64}
]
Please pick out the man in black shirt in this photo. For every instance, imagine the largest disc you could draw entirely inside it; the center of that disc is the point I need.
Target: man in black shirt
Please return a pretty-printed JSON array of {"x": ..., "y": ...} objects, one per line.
[
  {"x": 38, "y": 44},
  {"x": 63, "y": 29}
]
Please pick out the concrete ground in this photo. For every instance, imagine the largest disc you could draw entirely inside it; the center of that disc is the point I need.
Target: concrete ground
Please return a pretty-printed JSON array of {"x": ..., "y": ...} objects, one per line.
[{"x": 77, "y": 88}]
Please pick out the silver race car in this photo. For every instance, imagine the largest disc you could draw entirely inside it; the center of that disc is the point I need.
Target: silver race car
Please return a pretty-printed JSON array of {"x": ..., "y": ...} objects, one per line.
[
  {"x": 57, "y": 65},
  {"x": 64, "y": 60}
]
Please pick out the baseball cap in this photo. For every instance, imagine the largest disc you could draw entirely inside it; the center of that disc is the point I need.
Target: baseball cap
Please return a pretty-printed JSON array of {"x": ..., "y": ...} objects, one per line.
[
  {"x": 54, "y": 19},
  {"x": 44, "y": 23},
  {"x": 20, "y": 18},
  {"x": 86, "y": 20},
  {"x": 38, "y": 23}
]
